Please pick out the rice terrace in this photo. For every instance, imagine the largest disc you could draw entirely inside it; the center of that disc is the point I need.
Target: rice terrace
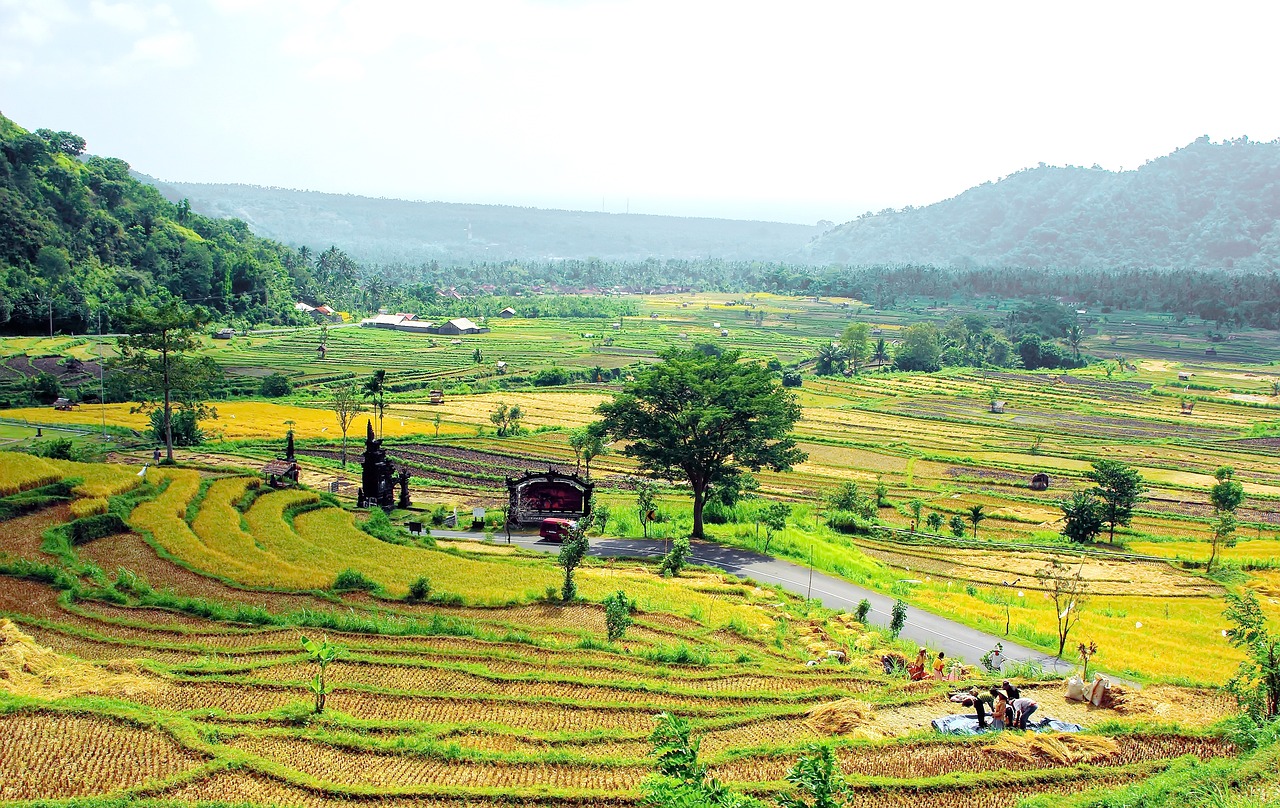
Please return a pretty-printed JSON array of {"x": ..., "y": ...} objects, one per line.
[{"x": 154, "y": 616}]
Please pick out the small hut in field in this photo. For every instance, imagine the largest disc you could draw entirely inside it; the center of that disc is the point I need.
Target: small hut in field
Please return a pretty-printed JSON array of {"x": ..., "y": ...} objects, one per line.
[
  {"x": 997, "y": 406},
  {"x": 1040, "y": 482}
]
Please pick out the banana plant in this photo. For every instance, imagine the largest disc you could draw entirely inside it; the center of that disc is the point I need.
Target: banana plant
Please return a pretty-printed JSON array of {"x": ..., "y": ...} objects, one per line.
[{"x": 321, "y": 653}]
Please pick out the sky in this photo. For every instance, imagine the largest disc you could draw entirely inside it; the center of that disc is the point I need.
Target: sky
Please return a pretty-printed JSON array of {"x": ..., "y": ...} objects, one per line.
[{"x": 797, "y": 111}]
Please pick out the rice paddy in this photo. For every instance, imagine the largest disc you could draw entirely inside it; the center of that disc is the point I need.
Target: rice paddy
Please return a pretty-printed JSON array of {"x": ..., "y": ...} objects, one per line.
[{"x": 164, "y": 662}]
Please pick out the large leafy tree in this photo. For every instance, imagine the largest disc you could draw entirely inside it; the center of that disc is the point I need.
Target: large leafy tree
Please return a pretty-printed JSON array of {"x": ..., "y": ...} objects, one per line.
[
  {"x": 1081, "y": 517},
  {"x": 1257, "y": 681},
  {"x": 921, "y": 348},
  {"x": 856, "y": 340},
  {"x": 154, "y": 348},
  {"x": 705, "y": 419},
  {"x": 1120, "y": 487}
]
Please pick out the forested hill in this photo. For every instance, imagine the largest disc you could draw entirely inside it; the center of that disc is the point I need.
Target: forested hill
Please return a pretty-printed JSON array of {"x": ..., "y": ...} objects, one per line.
[
  {"x": 80, "y": 238},
  {"x": 398, "y": 231},
  {"x": 1208, "y": 205}
]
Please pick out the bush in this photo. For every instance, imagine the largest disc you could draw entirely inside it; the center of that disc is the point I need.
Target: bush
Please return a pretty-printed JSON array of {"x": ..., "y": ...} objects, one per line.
[
  {"x": 863, "y": 610},
  {"x": 617, "y": 615},
  {"x": 378, "y": 525},
  {"x": 791, "y": 379},
  {"x": 848, "y": 523},
  {"x": 352, "y": 580},
  {"x": 420, "y": 589},
  {"x": 276, "y": 385},
  {"x": 552, "y": 377},
  {"x": 54, "y": 449},
  {"x": 898, "y": 620},
  {"x": 184, "y": 422},
  {"x": 674, "y": 560}
]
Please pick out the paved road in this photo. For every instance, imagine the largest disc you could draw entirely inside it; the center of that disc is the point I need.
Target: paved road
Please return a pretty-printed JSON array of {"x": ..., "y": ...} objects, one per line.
[{"x": 922, "y": 627}]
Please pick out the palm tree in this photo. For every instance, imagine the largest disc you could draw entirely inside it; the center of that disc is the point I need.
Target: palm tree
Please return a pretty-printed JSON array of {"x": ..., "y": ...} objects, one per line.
[
  {"x": 831, "y": 358},
  {"x": 1075, "y": 336},
  {"x": 976, "y": 515},
  {"x": 881, "y": 354},
  {"x": 375, "y": 389}
]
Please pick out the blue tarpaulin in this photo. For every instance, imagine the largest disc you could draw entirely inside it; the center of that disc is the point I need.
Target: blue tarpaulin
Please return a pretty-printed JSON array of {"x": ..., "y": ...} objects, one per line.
[{"x": 968, "y": 725}]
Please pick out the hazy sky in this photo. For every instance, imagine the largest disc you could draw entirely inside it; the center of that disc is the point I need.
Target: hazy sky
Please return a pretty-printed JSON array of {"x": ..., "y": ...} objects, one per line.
[{"x": 791, "y": 111}]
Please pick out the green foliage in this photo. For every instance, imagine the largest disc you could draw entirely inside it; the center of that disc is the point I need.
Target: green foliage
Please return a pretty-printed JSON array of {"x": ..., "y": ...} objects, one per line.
[
  {"x": 378, "y": 525},
  {"x": 646, "y": 502},
  {"x": 275, "y": 385},
  {"x": 774, "y": 520},
  {"x": 920, "y": 349},
  {"x": 898, "y": 618},
  {"x": 704, "y": 419},
  {"x": 587, "y": 444},
  {"x": 617, "y": 615},
  {"x": 681, "y": 779},
  {"x": 320, "y": 654},
  {"x": 507, "y": 419},
  {"x": 572, "y": 551},
  {"x": 976, "y": 515},
  {"x": 350, "y": 580},
  {"x": 851, "y": 524},
  {"x": 54, "y": 448},
  {"x": 1120, "y": 487},
  {"x": 957, "y": 525},
  {"x": 88, "y": 528},
  {"x": 184, "y": 423},
  {"x": 934, "y": 521},
  {"x": 1256, "y": 684},
  {"x": 863, "y": 610},
  {"x": 674, "y": 560},
  {"x": 420, "y": 589},
  {"x": 817, "y": 780},
  {"x": 1082, "y": 517}
]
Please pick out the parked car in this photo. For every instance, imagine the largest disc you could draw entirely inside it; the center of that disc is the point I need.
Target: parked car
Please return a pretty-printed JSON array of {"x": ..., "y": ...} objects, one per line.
[{"x": 556, "y": 529}]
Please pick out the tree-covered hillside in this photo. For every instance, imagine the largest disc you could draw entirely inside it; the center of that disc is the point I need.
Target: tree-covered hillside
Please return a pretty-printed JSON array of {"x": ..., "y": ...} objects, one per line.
[
  {"x": 1208, "y": 205},
  {"x": 398, "y": 231},
  {"x": 79, "y": 238}
]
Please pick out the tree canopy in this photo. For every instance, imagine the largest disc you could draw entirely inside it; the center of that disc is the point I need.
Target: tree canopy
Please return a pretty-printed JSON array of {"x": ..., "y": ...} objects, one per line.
[{"x": 706, "y": 420}]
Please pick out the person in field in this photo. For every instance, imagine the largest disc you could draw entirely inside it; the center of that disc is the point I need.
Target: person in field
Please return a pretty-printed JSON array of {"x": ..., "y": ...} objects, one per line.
[
  {"x": 1011, "y": 690},
  {"x": 999, "y": 709},
  {"x": 938, "y": 665},
  {"x": 917, "y": 668},
  {"x": 1022, "y": 710}
]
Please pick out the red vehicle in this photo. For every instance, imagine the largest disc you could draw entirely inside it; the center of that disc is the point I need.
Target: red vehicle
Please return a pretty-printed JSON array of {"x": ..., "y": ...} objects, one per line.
[{"x": 555, "y": 529}]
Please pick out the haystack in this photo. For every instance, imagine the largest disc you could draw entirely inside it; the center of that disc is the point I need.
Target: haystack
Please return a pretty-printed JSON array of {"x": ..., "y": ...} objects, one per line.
[
  {"x": 1056, "y": 750},
  {"x": 841, "y": 717},
  {"x": 29, "y": 669}
]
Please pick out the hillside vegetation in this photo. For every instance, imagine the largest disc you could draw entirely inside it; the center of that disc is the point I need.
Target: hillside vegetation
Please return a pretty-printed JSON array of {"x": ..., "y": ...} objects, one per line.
[
  {"x": 79, "y": 238},
  {"x": 397, "y": 230},
  {"x": 1206, "y": 205}
]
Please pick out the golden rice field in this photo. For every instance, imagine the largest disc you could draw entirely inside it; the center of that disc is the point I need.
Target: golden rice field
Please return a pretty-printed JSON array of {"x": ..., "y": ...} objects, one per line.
[{"x": 470, "y": 703}]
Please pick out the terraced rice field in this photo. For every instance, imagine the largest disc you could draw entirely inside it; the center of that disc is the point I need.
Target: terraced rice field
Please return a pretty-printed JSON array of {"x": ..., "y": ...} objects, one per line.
[{"x": 453, "y": 703}]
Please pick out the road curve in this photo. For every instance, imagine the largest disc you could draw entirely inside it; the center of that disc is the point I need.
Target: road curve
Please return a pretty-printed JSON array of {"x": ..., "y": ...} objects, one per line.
[{"x": 925, "y": 628}]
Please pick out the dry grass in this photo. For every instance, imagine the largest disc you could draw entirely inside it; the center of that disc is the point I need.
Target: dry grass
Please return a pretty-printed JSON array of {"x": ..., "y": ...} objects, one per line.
[
  {"x": 1052, "y": 750},
  {"x": 841, "y": 717},
  {"x": 29, "y": 669}
]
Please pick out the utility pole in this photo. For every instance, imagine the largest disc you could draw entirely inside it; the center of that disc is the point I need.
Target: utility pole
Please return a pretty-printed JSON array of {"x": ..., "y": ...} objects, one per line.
[{"x": 102, "y": 384}]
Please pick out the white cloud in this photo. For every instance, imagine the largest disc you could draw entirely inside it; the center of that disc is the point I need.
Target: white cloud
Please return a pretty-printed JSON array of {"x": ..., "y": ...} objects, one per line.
[
  {"x": 124, "y": 16},
  {"x": 172, "y": 49},
  {"x": 33, "y": 21}
]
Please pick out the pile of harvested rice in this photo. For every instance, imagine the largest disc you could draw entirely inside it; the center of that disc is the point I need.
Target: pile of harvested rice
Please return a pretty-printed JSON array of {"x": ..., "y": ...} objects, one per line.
[
  {"x": 29, "y": 669},
  {"x": 841, "y": 717},
  {"x": 1058, "y": 750}
]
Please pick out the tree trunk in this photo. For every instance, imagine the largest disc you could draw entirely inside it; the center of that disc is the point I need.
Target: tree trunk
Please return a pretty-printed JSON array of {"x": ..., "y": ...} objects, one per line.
[
  {"x": 699, "y": 499},
  {"x": 344, "y": 448}
]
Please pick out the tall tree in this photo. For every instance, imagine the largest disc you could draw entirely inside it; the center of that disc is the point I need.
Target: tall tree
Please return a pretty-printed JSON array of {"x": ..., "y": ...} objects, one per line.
[
  {"x": 587, "y": 443},
  {"x": 976, "y": 515},
  {"x": 1120, "y": 487},
  {"x": 375, "y": 389},
  {"x": 345, "y": 404},
  {"x": 856, "y": 340},
  {"x": 156, "y": 342},
  {"x": 706, "y": 419},
  {"x": 921, "y": 348},
  {"x": 1225, "y": 496},
  {"x": 1257, "y": 680}
]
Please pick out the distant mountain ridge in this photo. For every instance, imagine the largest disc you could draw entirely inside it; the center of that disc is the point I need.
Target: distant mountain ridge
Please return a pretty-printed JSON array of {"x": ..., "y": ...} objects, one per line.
[
  {"x": 1208, "y": 205},
  {"x": 395, "y": 230}
]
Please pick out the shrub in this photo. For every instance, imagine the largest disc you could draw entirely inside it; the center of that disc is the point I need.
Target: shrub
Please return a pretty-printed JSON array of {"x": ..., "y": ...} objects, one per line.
[
  {"x": 674, "y": 560},
  {"x": 898, "y": 620},
  {"x": 617, "y": 615},
  {"x": 863, "y": 610},
  {"x": 276, "y": 385},
  {"x": 352, "y": 580},
  {"x": 420, "y": 589},
  {"x": 848, "y": 523}
]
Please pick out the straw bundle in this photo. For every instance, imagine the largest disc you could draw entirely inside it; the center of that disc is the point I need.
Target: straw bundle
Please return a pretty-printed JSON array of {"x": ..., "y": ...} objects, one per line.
[
  {"x": 1058, "y": 750},
  {"x": 30, "y": 669}
]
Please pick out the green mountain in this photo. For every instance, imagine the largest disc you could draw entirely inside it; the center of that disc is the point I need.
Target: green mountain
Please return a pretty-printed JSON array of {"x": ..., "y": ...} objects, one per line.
[
  {"x": 80, "y": 238},
  {"x": 398, "y": 231},
  {"x": 1208, "y": 205}
]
